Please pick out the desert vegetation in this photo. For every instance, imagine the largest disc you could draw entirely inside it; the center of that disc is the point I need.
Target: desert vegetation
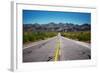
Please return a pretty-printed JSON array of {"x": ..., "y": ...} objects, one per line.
[
  {"x": 36, "y": 36},
  {"x": 80, "y": 36}
]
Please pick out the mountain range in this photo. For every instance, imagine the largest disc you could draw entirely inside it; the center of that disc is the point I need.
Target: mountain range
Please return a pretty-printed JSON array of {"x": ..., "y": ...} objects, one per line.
[{"x": 54, "y": 27}]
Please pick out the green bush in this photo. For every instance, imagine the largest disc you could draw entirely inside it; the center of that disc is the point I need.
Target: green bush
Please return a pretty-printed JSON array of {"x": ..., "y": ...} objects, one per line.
[
  {"x": 35, "y": 36},
  {"x": 81, "y": 36}
]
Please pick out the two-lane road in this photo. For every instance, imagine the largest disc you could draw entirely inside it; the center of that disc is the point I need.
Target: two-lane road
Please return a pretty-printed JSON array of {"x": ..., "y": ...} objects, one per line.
[{"x": 57, "y": 48}]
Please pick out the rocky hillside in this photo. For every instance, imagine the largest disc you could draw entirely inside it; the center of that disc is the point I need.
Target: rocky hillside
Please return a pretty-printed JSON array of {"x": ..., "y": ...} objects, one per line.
[{"x": 53, "y": 27}]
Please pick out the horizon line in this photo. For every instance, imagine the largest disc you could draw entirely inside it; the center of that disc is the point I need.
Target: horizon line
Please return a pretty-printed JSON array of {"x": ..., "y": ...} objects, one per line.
[{"x": 55, "y": 23}]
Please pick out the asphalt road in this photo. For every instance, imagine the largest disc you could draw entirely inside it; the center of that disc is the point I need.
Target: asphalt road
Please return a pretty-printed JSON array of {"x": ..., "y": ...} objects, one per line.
[{"x": 57, "y": 49}]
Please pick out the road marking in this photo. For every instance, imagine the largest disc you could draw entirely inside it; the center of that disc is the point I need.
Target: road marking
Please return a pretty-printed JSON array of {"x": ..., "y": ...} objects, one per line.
[{"x": 56, "y": 55}]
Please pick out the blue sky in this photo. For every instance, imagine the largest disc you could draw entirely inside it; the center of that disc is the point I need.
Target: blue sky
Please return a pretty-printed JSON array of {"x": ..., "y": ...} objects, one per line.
[{"x": 44, "y": 17}]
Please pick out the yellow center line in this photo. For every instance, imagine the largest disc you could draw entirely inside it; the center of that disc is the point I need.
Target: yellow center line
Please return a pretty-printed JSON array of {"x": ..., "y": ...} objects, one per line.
[{"x": 56, "y": 55}]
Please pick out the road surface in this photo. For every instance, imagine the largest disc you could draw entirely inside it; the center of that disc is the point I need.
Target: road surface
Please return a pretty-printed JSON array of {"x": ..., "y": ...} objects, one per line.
[{"x": 57, "y": 48}]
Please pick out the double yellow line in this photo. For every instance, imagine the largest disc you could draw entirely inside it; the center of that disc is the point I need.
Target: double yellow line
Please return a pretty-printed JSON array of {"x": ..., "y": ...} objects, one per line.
[{"x": 57, "y": 51}]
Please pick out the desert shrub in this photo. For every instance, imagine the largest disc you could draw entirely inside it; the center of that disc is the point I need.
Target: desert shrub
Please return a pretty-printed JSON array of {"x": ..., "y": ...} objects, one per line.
[
  {"x": 35, "y": 36},
  {"x": 81, "y": 36}
]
